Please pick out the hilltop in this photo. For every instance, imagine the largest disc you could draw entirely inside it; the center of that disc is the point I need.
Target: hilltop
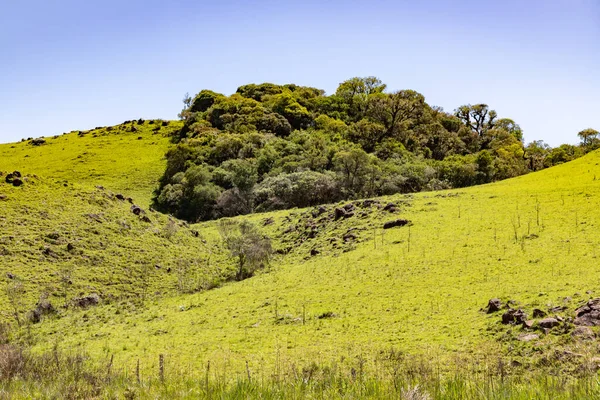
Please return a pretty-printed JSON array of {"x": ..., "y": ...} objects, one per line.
[{"x": 126, "y": 158}]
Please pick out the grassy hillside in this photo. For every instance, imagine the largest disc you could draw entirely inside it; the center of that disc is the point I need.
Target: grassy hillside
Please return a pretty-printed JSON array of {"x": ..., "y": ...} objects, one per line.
[
  {"x": 127, "y": 158},
  {"x": 346, "y": 294}
]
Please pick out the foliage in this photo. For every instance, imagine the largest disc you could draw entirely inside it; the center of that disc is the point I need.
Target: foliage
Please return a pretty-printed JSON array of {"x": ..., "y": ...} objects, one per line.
[
  {"x": 360, "y": 141},
  {"x": 247, "y": 245}
]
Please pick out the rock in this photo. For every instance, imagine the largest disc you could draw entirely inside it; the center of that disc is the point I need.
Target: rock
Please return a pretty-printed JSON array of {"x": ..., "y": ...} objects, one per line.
[
  {"x": 38, "y": 142},
  {"x": 349, "y": 237},
  {"x": 583, "y": 332},
  {"x": 268, "y": 221},
  {"x": 589, "y": 314},
  {"x": 165, "y": 123},
  {"x": 195, "y": 233},
  {"x": 549, "y": 323},
  {"x": 556, "y": 309},
  {"x": 17, "y": 174},
  {"x": 369, "y": 203},
  {"x": 349, "y": 207},
  {"x": 133, "y": 129},
  {"x": 136, "y": 210},
  {"x": 395, "y": 223},
  {"x": 86, "y": 301},
  {"x": 120, "y": 196},
  {"x": 513, "y": 316},
  {"x": 494, "y": 305},
  {"x": 17, "y": 182},
  {"x": 70, "y": 247},
  {"x": 339, "y": 213},
  {"x": 3, "y": 197},
  {"x": 10, "y": 276},
  {"x": 537, "y": 313},
  {"x": 528, "y": 324},
  {"x": 49, "y": 252},
  {"x": 528, "y": 337},
  {"x": 43, "y": 307},
  {"x": 9, "y": 178},
  {"x": 140, "y": 121},
  {"x": 140, "y": 138},
  {"x": 314, "y": 252},
  {"x": 389, "y": 207},
  {"x": 145, "y": 218}
]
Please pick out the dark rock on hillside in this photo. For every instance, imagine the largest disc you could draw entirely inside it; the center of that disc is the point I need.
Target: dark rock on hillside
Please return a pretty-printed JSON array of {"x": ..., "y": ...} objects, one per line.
[
  {"x": 321, "y": 210},
  {"x": 537, "y": 313},
  {"x": 548, "y": 323},
  {"x": 195, "y": 233},
  {"x": 369, "y": 203},
  {"x": 391, "y": 207},
  {"x": 10, "y": 276},
  {"x": 340, "y": 213},
  {"x": 348, "y": 207},
  {"x": 589, "y": 314},
  {"x": 395, "y": 223},
  {"x": 86, "y": 301},
  {"x": 513, "y": 316},
  {"x": 120, "y": 196},
  {"x": 165, "y": 123},
  {"x": 17, "y": 182},
  {"x": 17, "y": 174},
  {"x": 145, "y": 218},
  {"x": 44, "y": 307},
  {"x": 556, "y": 309},
  {"x": 349, "y": 237},
  {"x": 9, "y": 178},
  {"x": 140, "y": 121},
  {"x": 38, "y": 142},
  {"x": 314, "y": 252},
  {"x": 133, "y": 129},
  {"x": 494, "y": 305},
  {"x": 70, "y": 247},
  {"x": 137, "y": 210},
  {"x": 268, "y": 221}
]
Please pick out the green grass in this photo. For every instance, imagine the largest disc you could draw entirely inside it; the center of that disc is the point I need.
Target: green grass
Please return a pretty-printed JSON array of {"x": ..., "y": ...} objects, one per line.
[
  {"x": 111, "y": 156},
  {"x": 416, "y": 290}
]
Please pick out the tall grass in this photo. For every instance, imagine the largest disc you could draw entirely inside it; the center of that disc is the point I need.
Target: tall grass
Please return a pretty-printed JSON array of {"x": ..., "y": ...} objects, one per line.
[{"x": 57, "y": 374}]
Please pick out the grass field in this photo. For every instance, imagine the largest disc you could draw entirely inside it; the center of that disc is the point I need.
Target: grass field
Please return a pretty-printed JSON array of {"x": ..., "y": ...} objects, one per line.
[{"x": 411, "y": 294}]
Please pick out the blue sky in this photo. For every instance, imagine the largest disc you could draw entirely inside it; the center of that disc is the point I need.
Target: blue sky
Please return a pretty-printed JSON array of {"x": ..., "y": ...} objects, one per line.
[{"x": 72, "y": 64}]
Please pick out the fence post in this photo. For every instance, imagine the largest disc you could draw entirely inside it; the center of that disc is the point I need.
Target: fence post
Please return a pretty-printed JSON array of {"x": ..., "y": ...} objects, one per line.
[{"x": 161, "y": 367}]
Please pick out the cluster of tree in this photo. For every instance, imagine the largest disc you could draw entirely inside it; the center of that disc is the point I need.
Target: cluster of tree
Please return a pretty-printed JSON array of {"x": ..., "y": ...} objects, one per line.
[{"x": 273, "y": 146}]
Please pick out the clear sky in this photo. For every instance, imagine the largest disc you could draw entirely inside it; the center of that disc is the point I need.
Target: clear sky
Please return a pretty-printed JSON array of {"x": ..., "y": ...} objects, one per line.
[{"x": 74, "y": 64}]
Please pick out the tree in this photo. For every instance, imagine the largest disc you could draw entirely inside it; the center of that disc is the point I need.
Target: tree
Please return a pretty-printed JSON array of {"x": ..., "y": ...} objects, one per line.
[
  {"x": 535, "y": 154},
  {"x": 352, "y": 165},
  {"x": 251, "y": 249},
  {"x": 479, "y": 119},
  {"x": 356, "y": 92},
  {"x": 397, "y": 112},
  {"x": 589, "y": 138}
]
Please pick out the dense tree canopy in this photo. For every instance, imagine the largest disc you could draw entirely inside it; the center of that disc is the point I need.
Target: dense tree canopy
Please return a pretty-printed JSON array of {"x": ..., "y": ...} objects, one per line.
[{"x": 274, "y": 146}]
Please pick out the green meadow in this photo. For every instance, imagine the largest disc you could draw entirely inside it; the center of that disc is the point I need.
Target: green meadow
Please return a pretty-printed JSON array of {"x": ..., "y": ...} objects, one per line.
[{"x": 351, "y": 311}]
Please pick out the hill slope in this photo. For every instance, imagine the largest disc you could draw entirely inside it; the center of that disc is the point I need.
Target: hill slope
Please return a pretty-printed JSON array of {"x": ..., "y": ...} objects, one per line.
[
  {"x": 418, "y": 289},
  {"x": 126, "y": 158}
]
